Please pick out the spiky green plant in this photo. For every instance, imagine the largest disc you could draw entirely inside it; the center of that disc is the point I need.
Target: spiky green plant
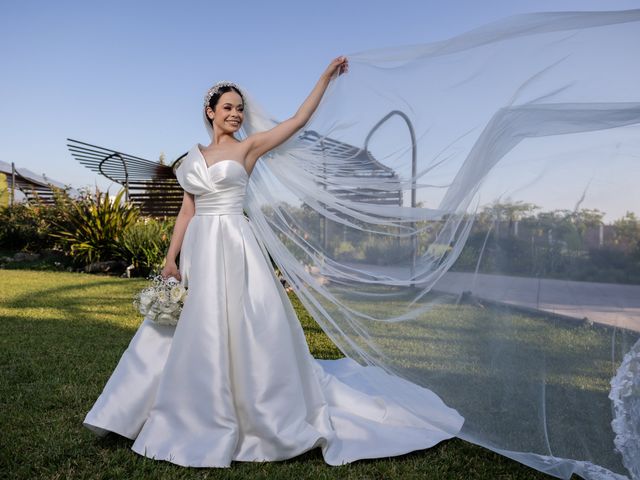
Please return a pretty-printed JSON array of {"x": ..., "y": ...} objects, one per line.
[{"x": 93, "y": 227}]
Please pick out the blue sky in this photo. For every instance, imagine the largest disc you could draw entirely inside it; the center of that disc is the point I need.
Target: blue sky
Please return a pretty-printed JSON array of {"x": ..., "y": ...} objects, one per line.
[{"x": 131, "y": 75}]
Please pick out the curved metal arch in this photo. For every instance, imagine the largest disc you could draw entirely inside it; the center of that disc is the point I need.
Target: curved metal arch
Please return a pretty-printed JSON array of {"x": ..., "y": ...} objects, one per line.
[
  {"x": 414, "y": 159},
  {"x": 176, "y": 163},
  {"x": 414, "y": 146},
  {"x": 126, "y": 173}
]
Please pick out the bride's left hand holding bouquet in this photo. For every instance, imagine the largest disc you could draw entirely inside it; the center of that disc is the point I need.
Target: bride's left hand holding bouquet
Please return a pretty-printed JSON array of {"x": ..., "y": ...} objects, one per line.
[{"x": 162, "y": 300}]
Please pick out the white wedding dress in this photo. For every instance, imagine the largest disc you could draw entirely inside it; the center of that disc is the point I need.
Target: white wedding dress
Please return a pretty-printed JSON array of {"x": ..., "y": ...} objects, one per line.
[{"x": 235, "y": 379}]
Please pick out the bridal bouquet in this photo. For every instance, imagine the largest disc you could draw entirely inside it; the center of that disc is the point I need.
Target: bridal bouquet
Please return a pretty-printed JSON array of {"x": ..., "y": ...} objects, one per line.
[{"x": 162, "y": 301}]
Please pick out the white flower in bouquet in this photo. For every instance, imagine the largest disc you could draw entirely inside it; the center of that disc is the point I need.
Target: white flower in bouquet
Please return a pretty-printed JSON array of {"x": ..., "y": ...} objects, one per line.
[
  {"x": 167, "y": 307},
  {"x": 162, "y": 301},
  {"x": 145, "y": 301},
  {"x": 162, "y": 296},
  {"x": 178, "y": 293},
  {"x": 165, "y": 319}
]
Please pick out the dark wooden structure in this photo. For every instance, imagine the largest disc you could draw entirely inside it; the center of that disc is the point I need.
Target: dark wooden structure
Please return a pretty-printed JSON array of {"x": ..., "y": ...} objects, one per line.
[{"x": 148, "y": 184}]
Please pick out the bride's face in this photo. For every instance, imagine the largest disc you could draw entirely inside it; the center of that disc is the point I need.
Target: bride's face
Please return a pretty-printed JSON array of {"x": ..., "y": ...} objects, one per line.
[{"x": 229, "y": 112}]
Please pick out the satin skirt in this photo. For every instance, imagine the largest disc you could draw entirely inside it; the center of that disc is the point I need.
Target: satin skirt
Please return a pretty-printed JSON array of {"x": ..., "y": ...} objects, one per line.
[{"x": 235, "y": 380}]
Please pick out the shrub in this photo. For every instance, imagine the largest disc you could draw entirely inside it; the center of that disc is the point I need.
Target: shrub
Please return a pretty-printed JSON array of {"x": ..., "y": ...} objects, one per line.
[
  {"x": 386, "y": 252},
  {"x": 92, "y": 229},
  {"x": 145, "y": 244},
  {"x": 20, "y": 227},
  {"x": 28, "y": 226}
]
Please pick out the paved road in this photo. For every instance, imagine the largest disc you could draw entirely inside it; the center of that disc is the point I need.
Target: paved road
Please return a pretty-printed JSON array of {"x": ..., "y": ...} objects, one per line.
[{"x": 608, "y": 303}]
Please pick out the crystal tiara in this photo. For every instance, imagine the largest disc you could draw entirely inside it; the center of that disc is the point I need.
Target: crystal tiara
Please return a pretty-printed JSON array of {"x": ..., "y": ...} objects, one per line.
[{"x": 213, "y": 90}]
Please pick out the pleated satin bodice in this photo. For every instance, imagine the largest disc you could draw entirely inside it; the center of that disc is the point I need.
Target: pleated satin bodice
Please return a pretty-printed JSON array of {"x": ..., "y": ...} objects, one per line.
[
  {"x": 218, "y": 189},
  {"x": 229, "y": 182}
]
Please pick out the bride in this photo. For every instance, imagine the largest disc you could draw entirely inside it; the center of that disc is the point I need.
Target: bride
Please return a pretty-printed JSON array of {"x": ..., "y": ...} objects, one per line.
[{"x": 235, "y": 380}]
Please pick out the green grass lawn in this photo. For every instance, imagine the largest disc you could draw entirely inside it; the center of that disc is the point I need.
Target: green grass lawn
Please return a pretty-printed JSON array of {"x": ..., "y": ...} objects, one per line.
[{"x": 62, "y": 335}]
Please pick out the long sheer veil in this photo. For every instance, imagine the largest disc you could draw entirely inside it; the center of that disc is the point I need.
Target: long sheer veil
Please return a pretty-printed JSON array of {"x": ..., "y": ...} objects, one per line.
[{"x": 461, "y": 214}]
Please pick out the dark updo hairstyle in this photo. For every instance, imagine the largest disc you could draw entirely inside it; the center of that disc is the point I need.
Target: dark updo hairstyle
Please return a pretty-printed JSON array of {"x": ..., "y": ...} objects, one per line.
[{"x": 216, "y": 96}]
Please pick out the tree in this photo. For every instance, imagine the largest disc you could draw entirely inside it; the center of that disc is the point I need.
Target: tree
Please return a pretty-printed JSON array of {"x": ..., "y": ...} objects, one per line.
[{"x": 627, "y": 232}]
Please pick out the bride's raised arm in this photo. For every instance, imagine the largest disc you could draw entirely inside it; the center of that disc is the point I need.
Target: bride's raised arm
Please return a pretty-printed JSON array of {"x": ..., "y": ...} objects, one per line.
[{"x": 261, "y": 142}]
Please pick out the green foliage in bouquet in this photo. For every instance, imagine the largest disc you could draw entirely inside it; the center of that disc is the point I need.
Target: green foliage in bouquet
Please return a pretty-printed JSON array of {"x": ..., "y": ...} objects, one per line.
[
  {"x": 145, "y": 244},
  {"x": 93, "y": 228}
]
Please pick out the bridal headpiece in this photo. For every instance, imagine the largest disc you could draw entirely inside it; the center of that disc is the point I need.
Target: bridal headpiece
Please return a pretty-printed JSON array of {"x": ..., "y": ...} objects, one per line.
[{"x": 213, "y": 90}]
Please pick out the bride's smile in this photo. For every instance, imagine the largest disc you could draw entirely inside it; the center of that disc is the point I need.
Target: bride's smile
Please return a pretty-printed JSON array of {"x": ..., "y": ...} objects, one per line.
[{"x": 228, "y": 114}]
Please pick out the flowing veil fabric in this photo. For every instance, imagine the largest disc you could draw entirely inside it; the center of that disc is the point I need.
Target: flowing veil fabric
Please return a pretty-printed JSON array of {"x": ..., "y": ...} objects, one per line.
[{"x": 453, "y": 214}]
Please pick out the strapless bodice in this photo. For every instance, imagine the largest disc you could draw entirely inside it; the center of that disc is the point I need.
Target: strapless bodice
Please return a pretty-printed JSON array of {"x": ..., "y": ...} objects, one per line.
[
  {"x": 218, "y": 189},
  {"x": 229, "y": 181}
]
